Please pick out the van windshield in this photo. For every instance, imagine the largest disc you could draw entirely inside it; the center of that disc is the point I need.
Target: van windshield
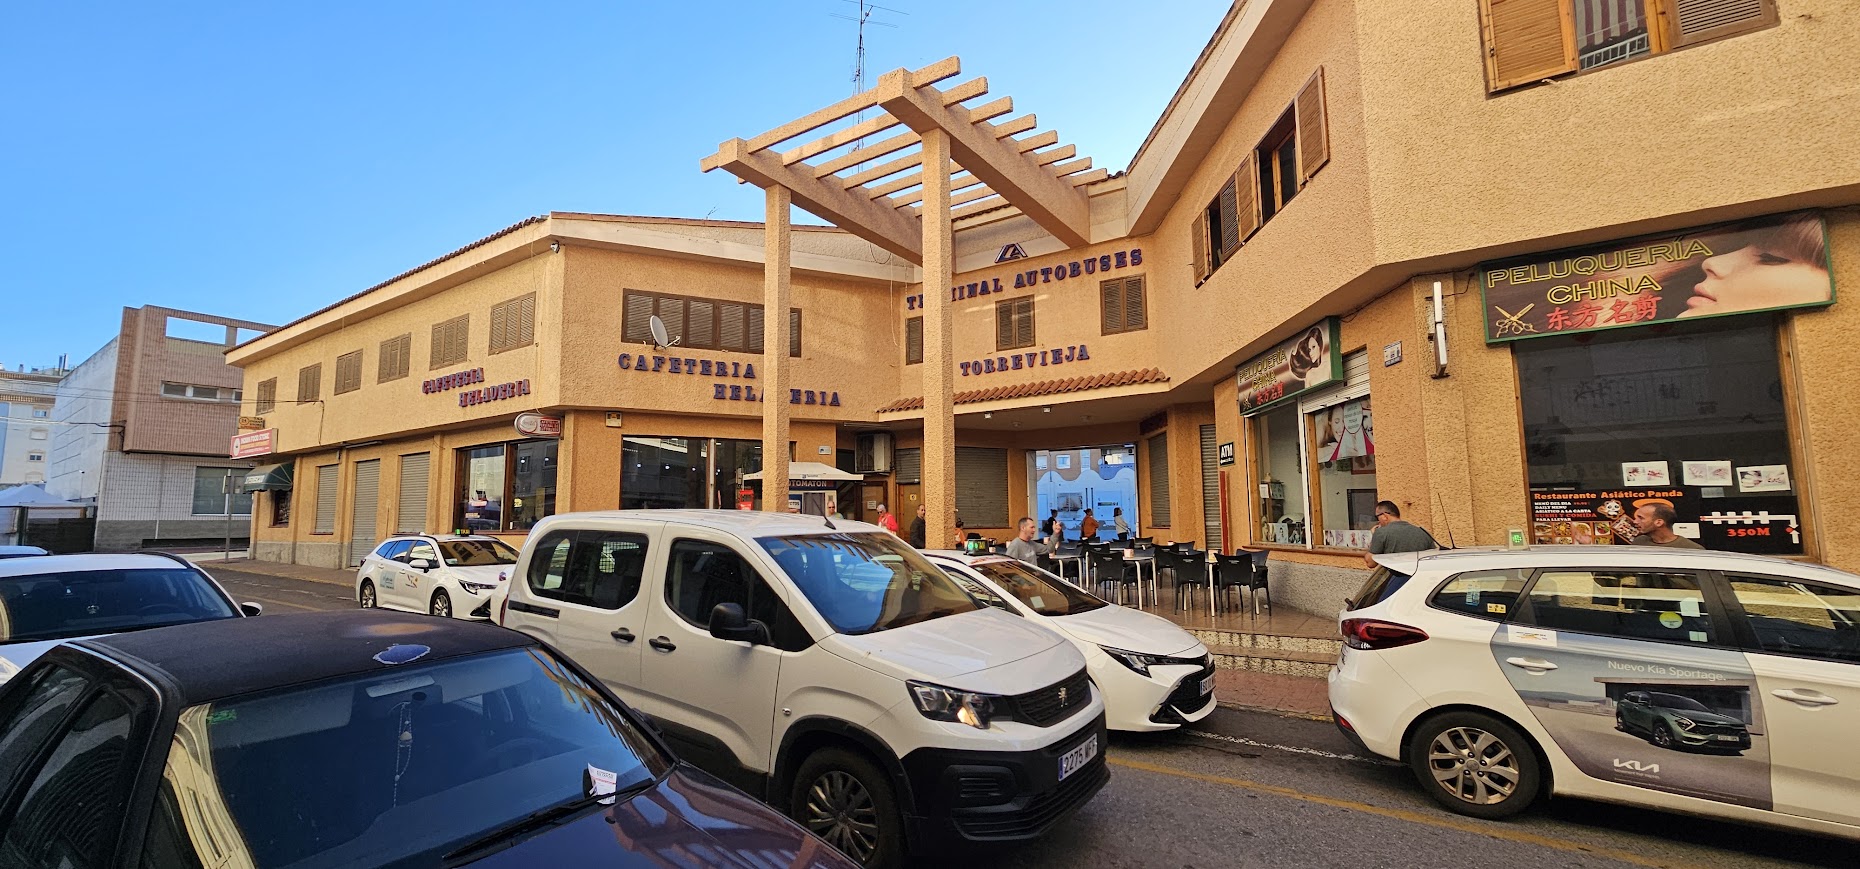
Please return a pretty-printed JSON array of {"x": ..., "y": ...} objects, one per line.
[{"x": 867, "y": 582}]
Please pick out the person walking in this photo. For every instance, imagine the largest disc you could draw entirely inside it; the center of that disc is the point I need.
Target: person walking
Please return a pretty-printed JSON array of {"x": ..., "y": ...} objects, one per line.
[
  {"x": 1024, "y": 547},
  {"x": 1058, "y": 533},
  {"x": 1655, "y": 522},
  {"x": 919, "y": 528},
  {"x": 1117, "y": 520},
  {"x": 886, "y": 520},
  {"x": 1088, "y": 526},
  {"x": 1395, "y": 534},
  {"x": 1046, "y": 525}
]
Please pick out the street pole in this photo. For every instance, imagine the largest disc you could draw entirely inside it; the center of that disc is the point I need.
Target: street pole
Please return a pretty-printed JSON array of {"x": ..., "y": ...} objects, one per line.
[{"x": 227, "y": 488}]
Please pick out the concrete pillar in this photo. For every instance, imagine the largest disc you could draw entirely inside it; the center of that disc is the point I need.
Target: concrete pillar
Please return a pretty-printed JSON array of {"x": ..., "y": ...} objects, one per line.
[
  {"x": 776, "y": 247},
  {"x": 939, "y": 453}
]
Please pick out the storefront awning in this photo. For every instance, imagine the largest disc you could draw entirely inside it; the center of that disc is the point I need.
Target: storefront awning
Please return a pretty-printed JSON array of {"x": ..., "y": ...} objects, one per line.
[
  {"x": 267, "y": 478},
  {"x": 800, "y": 474}
]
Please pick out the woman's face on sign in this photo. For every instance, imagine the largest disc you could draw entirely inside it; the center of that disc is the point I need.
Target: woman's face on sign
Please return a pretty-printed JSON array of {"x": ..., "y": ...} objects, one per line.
[{"x": 1754, "y": 277}]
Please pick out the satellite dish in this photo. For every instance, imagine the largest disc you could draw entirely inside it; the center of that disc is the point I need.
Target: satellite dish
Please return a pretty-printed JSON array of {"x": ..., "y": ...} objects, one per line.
[{"x": 660, "y": 338}]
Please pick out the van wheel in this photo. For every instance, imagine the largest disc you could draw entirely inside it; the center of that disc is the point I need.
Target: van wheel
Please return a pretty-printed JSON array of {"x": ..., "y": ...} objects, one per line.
[
  {"x": 368, "y": 594},
  {"x": 847, "y": 800},
  {"x": 441, "y": 605},
  {"x": 1475, "y": 764}
]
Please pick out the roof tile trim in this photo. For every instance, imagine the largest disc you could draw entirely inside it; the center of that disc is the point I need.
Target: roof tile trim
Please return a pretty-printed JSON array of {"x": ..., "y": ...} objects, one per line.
[{"x": 1134, "y": 377}]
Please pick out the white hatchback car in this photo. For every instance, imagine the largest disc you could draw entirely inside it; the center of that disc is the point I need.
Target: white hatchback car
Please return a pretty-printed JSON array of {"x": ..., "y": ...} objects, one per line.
[
  {"x": 1711, "y": 683},
  {"x": 1154, "y": 675},
  {"x": 445, "y": 575}
]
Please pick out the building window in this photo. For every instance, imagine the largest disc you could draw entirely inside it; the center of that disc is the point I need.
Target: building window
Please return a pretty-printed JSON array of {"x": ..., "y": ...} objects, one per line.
[
  {"x": 280, "y": 507},
  {"x": 513, "y": 323},
  {"x": 40, "y": 413},
  {"x": 1315, "y": 465},
  {"x": 685, "y": 473},
  {"x": 451, "y": 341},
  {"x": 395, "y": 355},
  {"x": 39, "y": 434},
  {"x": 701, "y": 324},
  {"x": 201, "y": 393},
  {"x": 1527, "y": 42},
  {"x": 210, "y": 486},
  {"x": 310, "y": 383},
  {"x": 506, "y": 487},
  {"x": 914, "y": 341},
  {"x": 1281, "y": 476},
  {"x": 1344, "y": 502},
  {"x": 1291, "y": 152},
  {"x": 35, "y": 457},
  {"x": 1123, "y": 305},
  {"x": 348, "y": 372},
  {"x": 267, "y": 395},
  {"x": 1014, "y": 323}
]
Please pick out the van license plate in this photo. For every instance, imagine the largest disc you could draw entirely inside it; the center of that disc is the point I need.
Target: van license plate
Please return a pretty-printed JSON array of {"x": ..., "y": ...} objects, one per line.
[
  {"x": 1073, "y": 760},
  {"x": 1207, "y": 685}
]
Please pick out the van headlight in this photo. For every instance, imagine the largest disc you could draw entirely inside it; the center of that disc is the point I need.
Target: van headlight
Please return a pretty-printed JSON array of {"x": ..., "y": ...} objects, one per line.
[
  {"x": 938, "y": 703},
  {"x": 476, "y": 587},
  {"x": 1138, "y": 662}
]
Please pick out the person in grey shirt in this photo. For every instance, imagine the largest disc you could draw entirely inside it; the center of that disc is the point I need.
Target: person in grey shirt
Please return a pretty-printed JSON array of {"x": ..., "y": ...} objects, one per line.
[
  {"x": 1393, "y": 534},
  {"x": 1024, "y": 547}
]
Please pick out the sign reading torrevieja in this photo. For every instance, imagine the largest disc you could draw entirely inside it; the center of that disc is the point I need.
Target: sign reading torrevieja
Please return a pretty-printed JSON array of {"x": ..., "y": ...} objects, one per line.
[{"x": 1762, "y": 264}]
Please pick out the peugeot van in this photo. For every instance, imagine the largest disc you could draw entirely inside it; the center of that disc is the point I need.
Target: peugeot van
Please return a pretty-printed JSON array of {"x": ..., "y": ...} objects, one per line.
[{"x": 824, "y": 666}]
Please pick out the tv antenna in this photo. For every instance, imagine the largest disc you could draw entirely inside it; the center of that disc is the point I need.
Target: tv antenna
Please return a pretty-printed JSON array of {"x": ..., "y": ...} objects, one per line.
[{"x": 864, "y": 17}]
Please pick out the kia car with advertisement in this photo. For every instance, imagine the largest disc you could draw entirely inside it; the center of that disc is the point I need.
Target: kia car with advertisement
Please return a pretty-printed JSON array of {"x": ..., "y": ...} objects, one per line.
[
  {"x": 825, "y": 666},
  {"x": 1712, "y": 683}
]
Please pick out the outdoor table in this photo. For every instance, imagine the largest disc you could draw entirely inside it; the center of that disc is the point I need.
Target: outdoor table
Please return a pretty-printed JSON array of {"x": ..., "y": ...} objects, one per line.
[{"x": 1142, "y": 557}]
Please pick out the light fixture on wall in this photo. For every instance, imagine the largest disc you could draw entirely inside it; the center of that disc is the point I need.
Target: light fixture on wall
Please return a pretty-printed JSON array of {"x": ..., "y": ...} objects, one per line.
[
  {"x": 1046, "y": 410},
  {"x": 555, "y": 247},
  {"x": 1439, "y": 335},
  {"x": 989, "y": 415}
]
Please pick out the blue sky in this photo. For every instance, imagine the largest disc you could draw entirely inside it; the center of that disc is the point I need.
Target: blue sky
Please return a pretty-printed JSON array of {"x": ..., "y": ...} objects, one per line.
[{"x": 260, "y": 160}]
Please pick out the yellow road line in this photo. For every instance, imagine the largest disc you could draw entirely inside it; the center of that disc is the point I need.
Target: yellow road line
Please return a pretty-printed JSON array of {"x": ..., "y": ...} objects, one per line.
[{"x": 1449, "y": 823}]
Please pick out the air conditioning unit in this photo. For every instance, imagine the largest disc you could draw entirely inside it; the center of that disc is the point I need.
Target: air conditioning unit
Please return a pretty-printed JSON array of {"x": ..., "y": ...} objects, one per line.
[{"x": 873, "y": 453}]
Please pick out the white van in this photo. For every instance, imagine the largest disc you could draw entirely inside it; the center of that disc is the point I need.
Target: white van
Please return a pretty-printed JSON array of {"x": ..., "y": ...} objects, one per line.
[{"x": 825, "y": 667}]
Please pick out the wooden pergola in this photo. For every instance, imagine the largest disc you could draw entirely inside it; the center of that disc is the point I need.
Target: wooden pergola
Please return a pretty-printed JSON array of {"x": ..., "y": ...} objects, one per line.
[{"x": 943, "y": 159}]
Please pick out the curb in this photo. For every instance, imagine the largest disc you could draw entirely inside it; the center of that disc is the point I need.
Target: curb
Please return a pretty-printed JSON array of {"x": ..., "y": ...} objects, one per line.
[{"x": 259, "y": 567}]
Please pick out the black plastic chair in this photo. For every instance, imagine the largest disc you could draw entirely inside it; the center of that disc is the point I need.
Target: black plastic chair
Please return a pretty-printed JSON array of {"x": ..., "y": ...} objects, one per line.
[
  {"x": 1259, "y": 582},
  {"x": 1188, "y": 572},
  {"x": 1109, "y": 568},
  {"x": 1231, "y": 573}
]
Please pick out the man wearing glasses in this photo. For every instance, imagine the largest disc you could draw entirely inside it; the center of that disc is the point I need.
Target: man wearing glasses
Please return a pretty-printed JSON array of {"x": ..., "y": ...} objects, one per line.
[{"x": 1394, "y": 534}]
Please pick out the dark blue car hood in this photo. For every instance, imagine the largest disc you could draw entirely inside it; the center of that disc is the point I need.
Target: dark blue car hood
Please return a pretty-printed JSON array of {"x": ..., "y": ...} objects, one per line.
[{"x": 690, "y": 818}]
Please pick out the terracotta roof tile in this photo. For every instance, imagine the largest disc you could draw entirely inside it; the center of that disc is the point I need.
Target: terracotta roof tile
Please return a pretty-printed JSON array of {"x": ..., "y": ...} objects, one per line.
[{"x": 1061, "y": 386}]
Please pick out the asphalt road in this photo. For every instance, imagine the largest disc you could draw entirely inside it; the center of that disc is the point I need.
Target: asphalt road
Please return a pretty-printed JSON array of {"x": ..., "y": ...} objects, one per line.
[{"x": 1248, "y": 789}]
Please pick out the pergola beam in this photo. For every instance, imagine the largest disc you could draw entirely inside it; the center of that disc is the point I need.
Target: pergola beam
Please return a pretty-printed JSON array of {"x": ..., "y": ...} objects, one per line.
[
  {"x": 888, "y": 228},
  {"x": 1032, "y": 143},
  {"x": 1056, "y": 206},
  {"x": 868, "y": 153},
  {"x": 916, "y": 179},
  {"x": 970, "y": 89},
  {"x": 942, "y": 69}
]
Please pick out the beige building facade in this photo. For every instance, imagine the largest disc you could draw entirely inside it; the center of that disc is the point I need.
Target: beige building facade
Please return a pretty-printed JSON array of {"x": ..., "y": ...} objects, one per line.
[{"x": 1577, "y": 265}]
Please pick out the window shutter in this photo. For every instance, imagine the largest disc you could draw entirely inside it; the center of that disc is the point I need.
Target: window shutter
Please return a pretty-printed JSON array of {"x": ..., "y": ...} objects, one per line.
[
  {"x": 914, "y": 341},
  {"x": 794, "y": 333},
  {"x": 1313, "y": 128},
  {"x": 394, "y": 356},
  {"x": 500, "y": 327},
  {"x": 1159, "y": 480},
  {"x": 348, "y": 372},
  {"x": 753, "y": 329},
  {"x": 908, "y": 464},
  {"x": 267, "y": 395},
  {"x": 325, "y": 499},
  {"x": 461, "y": 338},
  {"x": 672, "y": 311},
  {"x": 1527, "y": 40},
  {"x": 1230, "y": 228},
  {"x": 1136, "y": 308},
  {"x": 1246, "y": 186},
  {"x": 635, "y": 318},
  {"x": 524, "y": 333},
  {"x": 415, "y": 474},
  {"x": 310, "y": 382},
  {"x": 1023, "y": 322},
  {"x": 1695, "y": 21},
  {"x": 701, "y": 324},
  {"x": 1211, "y": 489},
  {"x": 981, "y": 486},
  {"x": 1111, "y": 305},
  {"x": 1004, "y": 325},
  {"x": 1199, "y": 234}
]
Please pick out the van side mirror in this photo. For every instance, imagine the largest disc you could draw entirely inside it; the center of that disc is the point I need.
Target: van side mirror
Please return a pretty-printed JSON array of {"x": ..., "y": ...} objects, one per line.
[{"x": 728, "y": 622}]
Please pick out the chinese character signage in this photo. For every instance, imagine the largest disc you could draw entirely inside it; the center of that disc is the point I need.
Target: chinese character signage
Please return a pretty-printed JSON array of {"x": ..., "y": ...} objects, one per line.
[
  {"x": 1756, "y": 265},
  {"x": 1307, "y": 361}
]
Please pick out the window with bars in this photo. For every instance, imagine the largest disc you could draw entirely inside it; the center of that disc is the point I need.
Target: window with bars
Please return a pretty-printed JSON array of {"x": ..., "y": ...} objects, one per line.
[
  {"x": 267, "y": 395},
  {"x": 1528, "y": 41},
  {"x": 513, "y": 323},
  {"x": 1290, "y": 153},
  {"x": 700, "y": 323},
  {"x": 914, "y": 341},
  {"x": 451, "y": 341},
  {"x": 1123, "y": 305},
  {"x": 396, "y": 354},
  {"x": 1014, "y": 323},
  {"x": 348, "y": 372},
  {"x": 310, "y": 382}
]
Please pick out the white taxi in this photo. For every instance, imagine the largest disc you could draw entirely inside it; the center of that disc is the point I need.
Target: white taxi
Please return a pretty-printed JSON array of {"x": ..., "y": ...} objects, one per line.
[{"x": 448, "y": 576}]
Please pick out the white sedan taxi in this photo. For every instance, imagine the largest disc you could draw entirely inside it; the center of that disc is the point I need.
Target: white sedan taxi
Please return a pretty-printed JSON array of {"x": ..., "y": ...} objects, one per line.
[{"x": 448, "y": 576}]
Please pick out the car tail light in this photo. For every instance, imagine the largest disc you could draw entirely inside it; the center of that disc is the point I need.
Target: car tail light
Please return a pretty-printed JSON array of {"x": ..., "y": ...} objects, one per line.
[{"x": 1373, "y": 634}]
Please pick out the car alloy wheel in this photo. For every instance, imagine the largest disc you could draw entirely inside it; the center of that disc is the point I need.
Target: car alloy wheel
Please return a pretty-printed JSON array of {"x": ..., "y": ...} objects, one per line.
[
  {"x": 442, "y": 605},
  {"x": 843, "y": 797},
  {"x": 368, "y": 595},
  {"x": 1475, "y": 764},
  {"x": 839, "y": 810},
  {"x": 1662, "y": 735}
]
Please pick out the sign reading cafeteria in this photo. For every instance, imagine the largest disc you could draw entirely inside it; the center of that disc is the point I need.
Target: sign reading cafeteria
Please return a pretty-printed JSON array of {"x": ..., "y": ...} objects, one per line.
[
  {"x": 1755, "y": 265},
  {"x": 1308, "y": 361}
]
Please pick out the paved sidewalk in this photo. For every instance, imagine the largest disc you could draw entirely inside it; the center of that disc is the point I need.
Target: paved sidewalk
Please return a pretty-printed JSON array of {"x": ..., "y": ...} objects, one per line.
[
  {"x": 1292, "y": 695},
  {"x": 333, "y": 576}
]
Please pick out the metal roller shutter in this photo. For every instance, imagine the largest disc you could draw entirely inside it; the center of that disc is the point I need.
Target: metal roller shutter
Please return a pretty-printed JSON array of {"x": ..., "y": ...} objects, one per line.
[
  {"x": 325, "y": 500},
  {"x": 364, "y": 510},
  {"x": 1211, "y": 489},
  {"x": 908, "y": 465},
  {"x": 415, "y": 472},
  {"x": 981, "y": 486},
  {"x": 1159, "y": 481}
]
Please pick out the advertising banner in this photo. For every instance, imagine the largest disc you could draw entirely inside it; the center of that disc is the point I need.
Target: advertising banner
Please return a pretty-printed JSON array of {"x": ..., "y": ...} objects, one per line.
[
  {"x": 1765, "y": 525},
  {"x": 1311, "y": 360},
  {"x": 255, "y": 443},
  {"x": 1762, "y": 264}
]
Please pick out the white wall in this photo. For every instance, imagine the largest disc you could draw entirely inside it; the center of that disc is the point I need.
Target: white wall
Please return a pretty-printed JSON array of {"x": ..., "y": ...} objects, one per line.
[
  {"x": 22, "y": 434},
  {"x": 76, "y": 460}
]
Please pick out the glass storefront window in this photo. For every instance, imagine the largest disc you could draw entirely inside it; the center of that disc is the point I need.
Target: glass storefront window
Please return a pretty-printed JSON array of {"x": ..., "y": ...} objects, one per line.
[
  {"x": 1346, "y": 473},
  {"x": 1281, "y": 476},
  {"x": 506, "y": 487},
  {"x": 481, "y": 484},
  {"x": 532, "y": 484},
  {"x": 685, "y": 473},
  {"x": 1103, "y": 479},
  {"x": 210, "y": 492},
  {"x": 1688, "y": 416}
]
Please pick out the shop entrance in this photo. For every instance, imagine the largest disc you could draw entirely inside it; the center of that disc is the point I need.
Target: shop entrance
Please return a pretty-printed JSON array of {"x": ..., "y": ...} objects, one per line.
[
  {"x": 1102, "y": 479},
  {"x": 870, "y": 496}
]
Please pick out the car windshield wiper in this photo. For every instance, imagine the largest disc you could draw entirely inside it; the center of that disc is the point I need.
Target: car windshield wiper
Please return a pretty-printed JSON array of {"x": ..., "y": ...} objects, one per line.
[{"x": 505, "y": 836}]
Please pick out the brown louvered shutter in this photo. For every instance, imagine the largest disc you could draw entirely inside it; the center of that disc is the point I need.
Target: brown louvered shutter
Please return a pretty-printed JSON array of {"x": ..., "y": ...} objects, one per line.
[
  {"x": 392, "y": 358},
  {"x": 524, "y": 333},
  {"x": 500, "y": 327},
  {"x": 1695, "y": 21},
  {"x": 794, "y": 333},
  {"x": 1230, "y": 227},
  {"x": 672, "y": 311},
  {"x": 1313, "y": 128},
  {"x": 1111, "y": 305},
  {"x": 461, "y": 339},
  {"x": 701, "y": 324},
  {"x": 1004, "y": 325},
  {"x": 1136, "y": 313},
  {"x": 914, "y": 341},
  {"x": 1023, "y": 322},
  {"x": 267, "y": 395},
  {"x": 753, "y": 330},
  {"x": 1246, "y": 183},
  {"x": 731, "y": 329},
  {"x": 348, "y": 372},
  {"x": 636, "y": 318},
  {"x": 1527, "y": 40},
  {"x": 310, "y": 382},
  {"x": 1198, "y": 234}
]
